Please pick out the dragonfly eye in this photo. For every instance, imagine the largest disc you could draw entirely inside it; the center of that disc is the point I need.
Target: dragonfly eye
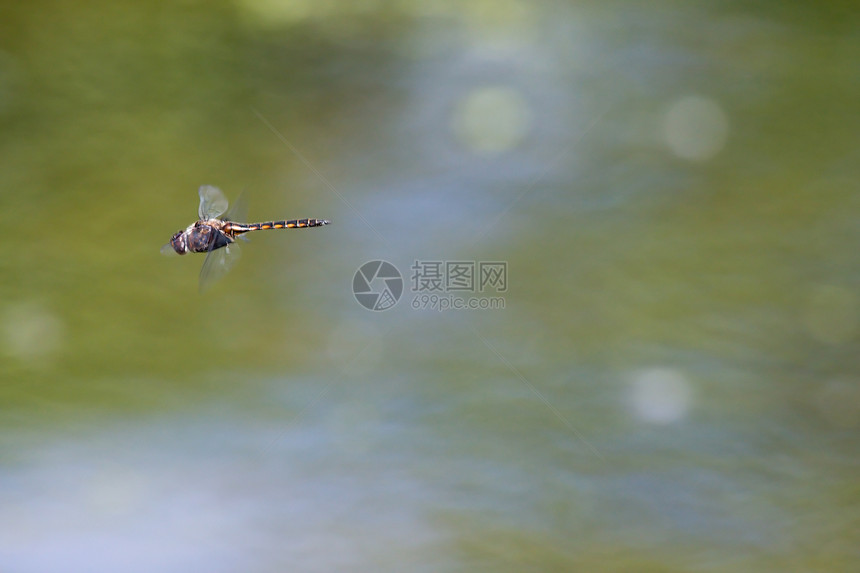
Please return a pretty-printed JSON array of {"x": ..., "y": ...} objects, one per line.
[{"x": 177, "y": 241}]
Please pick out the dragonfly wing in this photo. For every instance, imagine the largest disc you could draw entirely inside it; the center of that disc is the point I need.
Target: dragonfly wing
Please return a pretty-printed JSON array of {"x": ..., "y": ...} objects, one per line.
[
  {"x": 212, "y": 202},
  {"x": 238, "y": 211},
  {"x": 168, "y": 250},
  {"x": 218, "y": 262}
]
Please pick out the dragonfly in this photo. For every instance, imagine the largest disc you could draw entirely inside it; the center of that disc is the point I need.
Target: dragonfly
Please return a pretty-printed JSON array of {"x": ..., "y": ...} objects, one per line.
[{"x": 216, "y": 231}]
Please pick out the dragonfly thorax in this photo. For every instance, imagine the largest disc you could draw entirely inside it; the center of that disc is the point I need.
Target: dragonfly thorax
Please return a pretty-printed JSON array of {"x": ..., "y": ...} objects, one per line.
[
  {"x": 200, "y": 237},
  {"x": 205, "y": 236}
]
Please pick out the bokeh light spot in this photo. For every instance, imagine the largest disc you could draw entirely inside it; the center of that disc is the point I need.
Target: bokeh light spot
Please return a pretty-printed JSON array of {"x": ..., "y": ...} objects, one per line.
[
  {"x": 695, "y": 128},
  {"x": 276, "y": 13},
  {"x": 491, "y": 120},
  {"x": 660, "y": 395}
]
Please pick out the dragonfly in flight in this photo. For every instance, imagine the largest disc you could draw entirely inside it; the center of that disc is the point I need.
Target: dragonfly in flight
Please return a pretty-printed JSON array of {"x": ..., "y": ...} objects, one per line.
[{"x": 216, "y": 231}]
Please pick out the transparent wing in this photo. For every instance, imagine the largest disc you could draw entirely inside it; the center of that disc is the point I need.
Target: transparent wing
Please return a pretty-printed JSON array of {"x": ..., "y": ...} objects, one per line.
[
  {"x": 218, "y": 262},
  {"x": 168, "y": 250},
  {"x": 212, "y": 202},
  {"x": 238, "y": 211}
]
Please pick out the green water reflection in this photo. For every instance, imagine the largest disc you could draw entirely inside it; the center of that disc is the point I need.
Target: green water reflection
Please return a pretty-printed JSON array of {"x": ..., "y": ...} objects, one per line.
[{"x": 673, "y": 382}]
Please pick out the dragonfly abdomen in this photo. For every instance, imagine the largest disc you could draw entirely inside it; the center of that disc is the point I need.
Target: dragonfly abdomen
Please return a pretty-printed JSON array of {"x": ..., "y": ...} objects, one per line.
[{"x": 294, "y": 224}]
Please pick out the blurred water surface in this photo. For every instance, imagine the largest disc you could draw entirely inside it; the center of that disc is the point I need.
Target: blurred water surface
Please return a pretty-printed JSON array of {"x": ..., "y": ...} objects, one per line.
[{"x": 672, "y": 384}]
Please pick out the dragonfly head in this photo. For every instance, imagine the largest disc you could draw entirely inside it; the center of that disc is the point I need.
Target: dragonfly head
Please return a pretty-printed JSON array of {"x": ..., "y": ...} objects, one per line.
[{"x": 179, "y": 242}]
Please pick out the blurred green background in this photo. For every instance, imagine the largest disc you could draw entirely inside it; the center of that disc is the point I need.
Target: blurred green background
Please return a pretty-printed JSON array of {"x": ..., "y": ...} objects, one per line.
[{"x": 673, "y": 384}]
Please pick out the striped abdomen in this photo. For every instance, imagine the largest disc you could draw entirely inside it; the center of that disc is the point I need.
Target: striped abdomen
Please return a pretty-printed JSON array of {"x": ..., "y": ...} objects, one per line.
[{"x": 238, "y": 228}]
